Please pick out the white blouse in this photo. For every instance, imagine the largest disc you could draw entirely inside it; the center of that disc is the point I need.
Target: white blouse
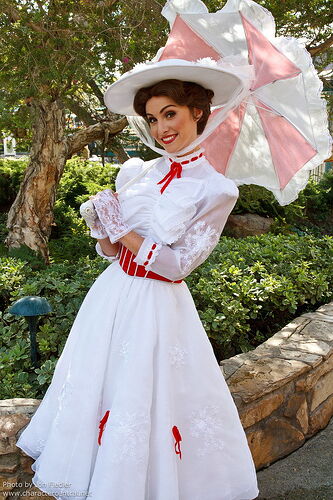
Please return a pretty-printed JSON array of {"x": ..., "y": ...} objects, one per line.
[{"x": 182, "y": 225}]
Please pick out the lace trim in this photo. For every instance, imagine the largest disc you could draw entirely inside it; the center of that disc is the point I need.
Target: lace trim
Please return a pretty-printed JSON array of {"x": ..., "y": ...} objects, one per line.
[
  {"x": 100, "y": 252},
  {"x": 198, "y": 243},
  {"x": 108, "y": 210}
]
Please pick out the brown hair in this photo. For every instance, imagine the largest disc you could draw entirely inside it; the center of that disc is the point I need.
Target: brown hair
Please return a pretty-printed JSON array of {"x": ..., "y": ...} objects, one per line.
[{"x": 188, "y": 94}]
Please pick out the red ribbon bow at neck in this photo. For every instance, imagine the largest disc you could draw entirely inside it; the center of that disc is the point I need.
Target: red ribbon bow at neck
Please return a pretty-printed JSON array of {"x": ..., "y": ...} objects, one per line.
[{"x": 175, "y": 170}]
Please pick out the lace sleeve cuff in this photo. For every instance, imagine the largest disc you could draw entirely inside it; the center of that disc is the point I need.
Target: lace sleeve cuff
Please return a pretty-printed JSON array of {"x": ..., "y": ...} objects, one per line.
[
  {"x": 100, "y": 252},
  {"x": 147, "y": 252}
]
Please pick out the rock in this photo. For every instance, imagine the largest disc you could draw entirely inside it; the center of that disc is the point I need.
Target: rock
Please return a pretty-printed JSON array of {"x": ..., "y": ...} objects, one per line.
[
  {"x": 256, "y": 379},
  {"x": 11, "y": 424},
  {"x": 9, "y": 463},
  {"x": 321, "y": 416},
  {"x": 309, "y": 381},
  {"x": 297, "y": 407},
  {"x": 322, "y": 390},
  {"x": 261, "y": 410},
  {"x": 276, "y": 440},
  {"x": 240, "y": 226}
]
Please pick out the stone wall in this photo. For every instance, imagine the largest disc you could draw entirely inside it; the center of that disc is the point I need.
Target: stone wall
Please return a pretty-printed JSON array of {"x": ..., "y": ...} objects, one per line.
[{"x": 283, "y": 391}]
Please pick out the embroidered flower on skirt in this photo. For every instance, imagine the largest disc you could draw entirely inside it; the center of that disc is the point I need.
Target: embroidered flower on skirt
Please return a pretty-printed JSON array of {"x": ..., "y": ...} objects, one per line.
[
  {"x": 177, "y": 355},
  {"x": 207, "y": 427},
  {"x": 123, "y": 350},
  {"x": 127, "y": 436},
  {"x": 63, "y": 399}
]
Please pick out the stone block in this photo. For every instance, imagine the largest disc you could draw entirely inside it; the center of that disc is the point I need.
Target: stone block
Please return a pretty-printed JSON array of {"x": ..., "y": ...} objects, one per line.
[
  {"x": 321, "y": 416},
  {"x": 307, "y": 383},
  {"x": 26, "y": 463},
  {"x": 318, "y": 329},
  {"x": 297, "y": 409},
  {"x": 9, "y": 463},
  {"x": 282, "y": 335},
  {"x": 322, "y": 390},
  {"x": 302, "y": 417},
  {"x": 275, "y": 440},
  {"x": 8, "y": 482},
  {"x": 261, "y": 409},
  {"x": 308, "y": 345},
  {"x": 11, "y": 424},
  {"x": 254, "y": 380},
  {"x": 293, "y": 405},
  {"x": 8, "y": 445},
  {"x": 26, "y": 406}
]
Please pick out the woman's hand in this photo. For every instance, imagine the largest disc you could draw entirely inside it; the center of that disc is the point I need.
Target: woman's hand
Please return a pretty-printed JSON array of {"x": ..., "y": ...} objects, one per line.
[
  {"x": 89, "y": 214},
  {"x": 109, "y": 213}
]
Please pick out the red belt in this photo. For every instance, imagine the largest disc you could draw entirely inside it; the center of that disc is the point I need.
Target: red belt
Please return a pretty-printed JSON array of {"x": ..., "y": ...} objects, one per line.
[{"x": 133, "y": 269}]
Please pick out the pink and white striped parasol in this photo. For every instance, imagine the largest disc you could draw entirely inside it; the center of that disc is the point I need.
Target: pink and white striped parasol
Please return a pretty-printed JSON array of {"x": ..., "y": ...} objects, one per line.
[{"x": 279, "y": 132}]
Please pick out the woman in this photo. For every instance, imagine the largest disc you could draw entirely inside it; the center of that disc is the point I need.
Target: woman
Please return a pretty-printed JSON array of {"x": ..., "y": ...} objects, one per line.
[{"x": 138, "y": 408}]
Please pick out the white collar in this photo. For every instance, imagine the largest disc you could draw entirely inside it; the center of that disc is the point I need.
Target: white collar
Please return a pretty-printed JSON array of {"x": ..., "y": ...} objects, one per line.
[{"x": 186, "y": 161}]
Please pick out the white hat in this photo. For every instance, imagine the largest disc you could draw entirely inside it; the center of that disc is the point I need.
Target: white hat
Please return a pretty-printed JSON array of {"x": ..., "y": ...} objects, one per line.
[{"x": 210, "y": 74}]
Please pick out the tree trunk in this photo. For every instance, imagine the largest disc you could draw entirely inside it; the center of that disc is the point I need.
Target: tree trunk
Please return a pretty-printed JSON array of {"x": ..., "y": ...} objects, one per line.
[{"x": 31, "y": 215}]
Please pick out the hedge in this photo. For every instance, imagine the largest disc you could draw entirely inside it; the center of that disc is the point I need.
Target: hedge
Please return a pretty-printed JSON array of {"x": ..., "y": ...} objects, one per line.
[{"x": 244, "y": 293}]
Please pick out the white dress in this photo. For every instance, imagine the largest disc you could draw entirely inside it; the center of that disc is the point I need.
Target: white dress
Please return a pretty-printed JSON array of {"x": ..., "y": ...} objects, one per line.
[{"x": 138, "y": 359}]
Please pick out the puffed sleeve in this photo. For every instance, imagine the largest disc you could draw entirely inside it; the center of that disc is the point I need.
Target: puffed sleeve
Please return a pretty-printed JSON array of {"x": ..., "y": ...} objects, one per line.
[
  {"x": 129, "y": 169},
  {"x": 202, "y": 233}
]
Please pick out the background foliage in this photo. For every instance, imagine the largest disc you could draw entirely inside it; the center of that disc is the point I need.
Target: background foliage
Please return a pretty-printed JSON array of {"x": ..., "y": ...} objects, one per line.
[{"x": 245, "y": 291}]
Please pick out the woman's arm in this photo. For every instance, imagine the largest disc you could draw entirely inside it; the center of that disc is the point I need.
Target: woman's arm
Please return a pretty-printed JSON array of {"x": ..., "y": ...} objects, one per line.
[
  {"x": 108, "y": 248},
  {"x": 131, "y": 240}
]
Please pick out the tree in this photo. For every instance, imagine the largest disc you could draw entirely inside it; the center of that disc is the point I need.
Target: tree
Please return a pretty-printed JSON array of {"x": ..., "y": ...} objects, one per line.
[
  {"x": 59, "y": 55},
  {"x": 56, "y": 55}
]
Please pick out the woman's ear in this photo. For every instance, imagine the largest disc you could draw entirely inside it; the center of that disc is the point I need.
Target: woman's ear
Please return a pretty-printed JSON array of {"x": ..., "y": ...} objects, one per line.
[{"x": 197, "y": 113}]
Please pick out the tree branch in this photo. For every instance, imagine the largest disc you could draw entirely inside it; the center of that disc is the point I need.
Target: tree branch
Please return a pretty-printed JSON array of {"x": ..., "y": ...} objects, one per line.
[
  {"x": 80, "y": 112},
  {"x": 321, "y": 47},
  {"x": 14, "y": 16},
  {"x": 92, "y": 133},
  {"x": 97, "y": 91}
]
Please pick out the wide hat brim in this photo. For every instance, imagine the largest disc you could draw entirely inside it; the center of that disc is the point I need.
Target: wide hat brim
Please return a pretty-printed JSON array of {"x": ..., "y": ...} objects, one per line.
[{"x": 211, "y": 75}]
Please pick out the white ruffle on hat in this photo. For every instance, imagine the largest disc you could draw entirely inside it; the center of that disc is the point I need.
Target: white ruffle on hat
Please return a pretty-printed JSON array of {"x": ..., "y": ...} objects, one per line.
[{"x": 217, "y": 76}]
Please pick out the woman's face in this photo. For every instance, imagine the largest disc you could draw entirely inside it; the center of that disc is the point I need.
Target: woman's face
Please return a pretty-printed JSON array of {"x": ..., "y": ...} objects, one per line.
[{"x": 173, "y": 126}]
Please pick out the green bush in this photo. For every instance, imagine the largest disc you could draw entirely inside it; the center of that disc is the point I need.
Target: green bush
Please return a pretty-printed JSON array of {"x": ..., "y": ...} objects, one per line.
[
  {"x": 83, "y": 178},
  {"x": 244, "y": 292},
  {"x": 307, "y": 214},
  {"x": 64, "y": 285},
  {"x": 69, "y": 237},
  {"x": 11, "y": 175},
  {"x": 251, "y": 287}
]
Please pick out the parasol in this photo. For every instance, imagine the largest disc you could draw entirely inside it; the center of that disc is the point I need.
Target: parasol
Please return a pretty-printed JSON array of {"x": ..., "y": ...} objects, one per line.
[{"x": 279, "y": 132}]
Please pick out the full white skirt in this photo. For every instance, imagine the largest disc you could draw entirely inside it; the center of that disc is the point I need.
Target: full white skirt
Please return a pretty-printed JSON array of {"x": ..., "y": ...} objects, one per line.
[{"x": 137, "y": 349}]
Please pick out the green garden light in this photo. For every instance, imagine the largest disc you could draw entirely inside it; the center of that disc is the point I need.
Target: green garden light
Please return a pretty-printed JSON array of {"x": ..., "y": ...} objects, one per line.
[{"x": 31, "y": 307}]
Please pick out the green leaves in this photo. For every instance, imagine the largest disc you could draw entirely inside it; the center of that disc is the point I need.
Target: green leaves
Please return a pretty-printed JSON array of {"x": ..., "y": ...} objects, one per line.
[{"x": 250, "y": 287}]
